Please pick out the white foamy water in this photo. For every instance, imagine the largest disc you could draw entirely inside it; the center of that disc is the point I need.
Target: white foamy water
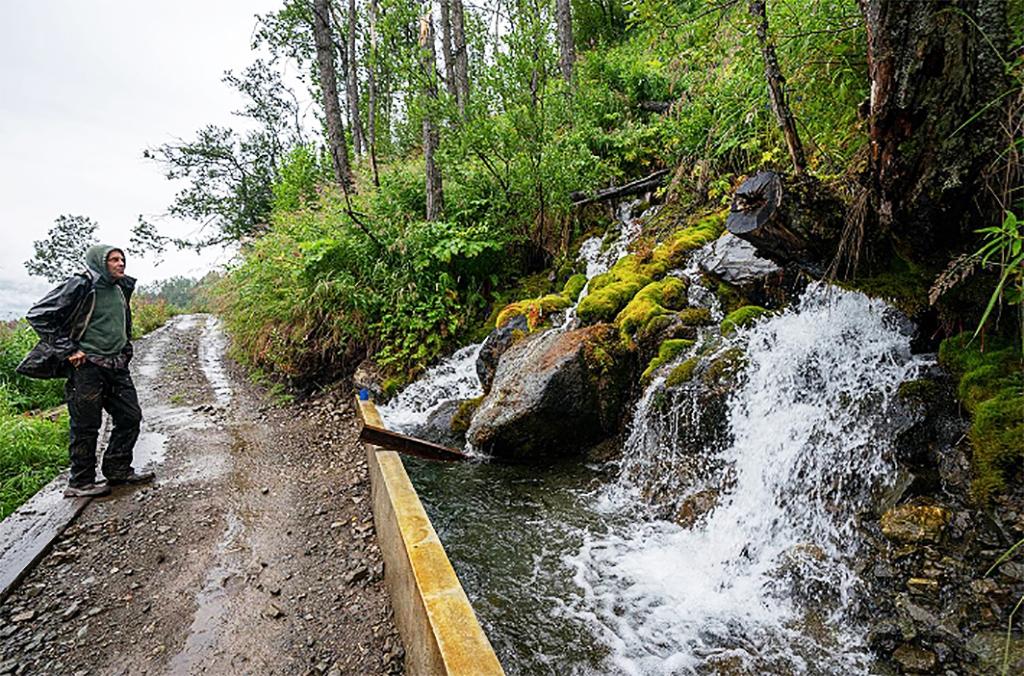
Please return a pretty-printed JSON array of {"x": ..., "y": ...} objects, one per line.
[
  {"x": 740, "y": 589},
  {"x": 212, "y": 346},
  {"x": 453, "y": 378}
]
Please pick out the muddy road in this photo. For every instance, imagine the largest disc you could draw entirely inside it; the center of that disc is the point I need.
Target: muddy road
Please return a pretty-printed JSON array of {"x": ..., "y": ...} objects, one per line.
[{"x": 253, "y": 553}]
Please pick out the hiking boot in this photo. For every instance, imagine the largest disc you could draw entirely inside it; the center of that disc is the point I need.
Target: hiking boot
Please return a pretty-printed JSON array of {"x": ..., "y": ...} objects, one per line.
[
  {"x": 92, "y": 490},
  {"x": 132, "y": 478}
]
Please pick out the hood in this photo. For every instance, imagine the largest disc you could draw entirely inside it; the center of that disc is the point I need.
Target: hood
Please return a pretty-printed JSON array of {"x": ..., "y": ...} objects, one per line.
[{"x": 96, "y": 260}]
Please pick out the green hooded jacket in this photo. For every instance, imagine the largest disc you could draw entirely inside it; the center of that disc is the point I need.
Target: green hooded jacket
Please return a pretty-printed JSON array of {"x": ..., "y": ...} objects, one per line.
[{"x": 107, "y": 332}]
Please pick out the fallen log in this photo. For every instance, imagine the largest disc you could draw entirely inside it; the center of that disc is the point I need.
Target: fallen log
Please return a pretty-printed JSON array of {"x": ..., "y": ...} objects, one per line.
[
  {"x": 636, "y": 187},
  {"x": 373, "y": 432},
  {"x": 660, "y": 107},
  {"x": 797, "y": 221}
]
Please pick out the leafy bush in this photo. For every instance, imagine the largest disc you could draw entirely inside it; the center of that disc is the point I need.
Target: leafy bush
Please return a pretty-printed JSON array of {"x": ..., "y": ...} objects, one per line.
[{"x": 149, "y": 314}]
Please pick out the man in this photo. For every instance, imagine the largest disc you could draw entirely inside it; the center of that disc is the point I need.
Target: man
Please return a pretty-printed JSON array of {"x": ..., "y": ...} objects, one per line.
[{"x": 85, "y": 328}]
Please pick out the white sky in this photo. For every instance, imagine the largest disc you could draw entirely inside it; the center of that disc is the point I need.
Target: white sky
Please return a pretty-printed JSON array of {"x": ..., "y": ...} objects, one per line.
[{"x": 85, "y": 87}]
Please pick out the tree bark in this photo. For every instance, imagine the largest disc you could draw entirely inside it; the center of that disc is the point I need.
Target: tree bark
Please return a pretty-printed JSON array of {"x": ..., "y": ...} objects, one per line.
[
  {"x": 446, "y": 49},
  {"x": 329, "y": 90},
  {"x": 935, "y": 71},
  {"x": 428, "y": 63},
  {"x": 358, "y": 139},
  {"x": 791, "y": 220},
  {"x": 777, "y": 88},
  {"x": 371, "y": 104},
  {"x": 566, "y": 46},
  {"x": 461, "y": 55}
]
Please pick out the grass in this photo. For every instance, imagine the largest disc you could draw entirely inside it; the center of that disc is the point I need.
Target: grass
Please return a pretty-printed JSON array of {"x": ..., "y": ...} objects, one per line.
[{"x": 32, "y": 452}]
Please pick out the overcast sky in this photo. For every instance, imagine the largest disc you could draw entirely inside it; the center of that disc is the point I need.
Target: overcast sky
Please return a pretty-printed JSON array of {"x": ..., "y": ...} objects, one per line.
[{"x": 85, "y": 87}]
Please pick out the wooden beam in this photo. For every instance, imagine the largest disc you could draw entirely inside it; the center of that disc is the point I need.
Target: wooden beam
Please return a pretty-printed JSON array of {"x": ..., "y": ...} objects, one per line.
[{"x": 374, "y": 432}]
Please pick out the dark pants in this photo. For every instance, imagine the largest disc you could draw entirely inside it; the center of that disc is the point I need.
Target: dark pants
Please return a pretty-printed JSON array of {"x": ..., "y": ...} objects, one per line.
[{"x": 89, "y": 390}]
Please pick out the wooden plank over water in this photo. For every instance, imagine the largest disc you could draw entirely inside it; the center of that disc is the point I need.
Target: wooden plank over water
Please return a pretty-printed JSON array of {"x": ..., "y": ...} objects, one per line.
[
  {"x": 374, "y": 432},
  {"x": 26, "y": 535}
]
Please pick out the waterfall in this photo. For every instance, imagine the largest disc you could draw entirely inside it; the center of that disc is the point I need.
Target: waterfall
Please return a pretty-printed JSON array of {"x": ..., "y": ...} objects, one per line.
[
  {"x": 764, "y": 581},
  {"x": 453, "y": 378}
]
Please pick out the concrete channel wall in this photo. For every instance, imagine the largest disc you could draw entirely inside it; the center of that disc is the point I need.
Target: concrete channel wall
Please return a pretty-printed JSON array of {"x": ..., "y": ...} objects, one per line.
[{"x": 439, "y": 629}]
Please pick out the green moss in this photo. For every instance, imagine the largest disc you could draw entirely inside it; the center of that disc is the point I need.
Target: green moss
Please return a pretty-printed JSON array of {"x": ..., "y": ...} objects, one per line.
[
  {"x": 903, "y": 284},
  {"x": 534, "y": 309},
  {"x": 698, "y": 232},
  {"x": 694, "y": 316},
  {"x": 961, "y": 353},
  {"x": 572, "y": 288},
  {"x": 611, "y": 292},
  {"x": 921, "y": 390},
  {"x": 464, "y": 414},
  {"x": 603, "y": 305},
  {"x": 724, "y": 366},
  {"x": 667, "y": 351},
  {"x": 744, "y": 316},
  {"x": 391, "y": 386},
  {"x": 654, "y": 300},
  {"x": 997, "y": 437},
  {"x": 991, "y": 388},
  {"x": 730, "y": 297},
  {"x": 682, "y": 373}
]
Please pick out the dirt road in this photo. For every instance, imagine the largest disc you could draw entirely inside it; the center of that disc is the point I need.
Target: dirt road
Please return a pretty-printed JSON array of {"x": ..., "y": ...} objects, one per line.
[{"x": 253, "y": 553}]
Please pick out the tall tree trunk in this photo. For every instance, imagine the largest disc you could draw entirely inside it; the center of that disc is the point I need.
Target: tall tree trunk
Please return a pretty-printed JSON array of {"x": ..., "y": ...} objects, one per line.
[
  {"x": 777, "y": 88},
  {"x": 446, "y": 49},
  {"x": 371, "y": 107},
  {"x": 461, "y": 55},
  {"x": 329, "y": 90},
  {"x": 935, "y": 71},
  {"x": 358, "y": 140},
  {"x": 566, "y": 46},
  {"x": 428, "y": 64}
]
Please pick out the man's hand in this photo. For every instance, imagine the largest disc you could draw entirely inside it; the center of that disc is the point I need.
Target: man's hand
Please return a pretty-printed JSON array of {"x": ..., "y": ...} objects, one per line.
[{"x": 77, "y": 359}]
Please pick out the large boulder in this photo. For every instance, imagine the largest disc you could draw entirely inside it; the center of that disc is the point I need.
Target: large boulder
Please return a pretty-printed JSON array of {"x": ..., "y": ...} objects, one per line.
[
  {"x": 735, "y": 261},
  {"x": 554, "y": 394},
  {"x": 494, "y": 346}
]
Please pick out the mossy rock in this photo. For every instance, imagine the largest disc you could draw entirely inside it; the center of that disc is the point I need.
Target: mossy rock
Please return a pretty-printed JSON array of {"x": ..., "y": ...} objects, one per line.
[
  {"x": 605, "y": 304},
  {"x": 903, "y": 284},
  {"x": 667, "y": 351},
  {"x": 744, "y": 316},
  {"x": 991, "y": 388},
  {"x": 611, "y": 291},
  {"x": 694, "y": 316},
  {"x": 724, "y": 367},
  {"x": 921, "y": 390},
  {"x": 729, "y": 295},
  {"x": 572, "y": 288},
  {"x": 654, "y": 300},
  {"x": 683, "y": 373},
  {"x": 698, "y": 232},
  {"x": 536, "y": 310},
  {"x": 464, "y": 414}
]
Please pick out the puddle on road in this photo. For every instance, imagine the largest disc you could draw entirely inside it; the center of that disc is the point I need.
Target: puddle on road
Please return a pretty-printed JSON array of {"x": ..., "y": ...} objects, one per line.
[
  {"x": 150, "y": 450},
  {"x": 211, "y": 601},
  {"x": 212, "y": 346}
]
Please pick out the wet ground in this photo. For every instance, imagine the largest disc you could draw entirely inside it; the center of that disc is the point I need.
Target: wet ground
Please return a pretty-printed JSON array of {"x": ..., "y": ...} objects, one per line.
[{"x": 254, "y": 552}]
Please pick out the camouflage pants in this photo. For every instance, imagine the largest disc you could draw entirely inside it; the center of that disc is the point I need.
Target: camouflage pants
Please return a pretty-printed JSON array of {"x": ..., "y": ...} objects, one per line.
[{"x": 89, "y": 390}]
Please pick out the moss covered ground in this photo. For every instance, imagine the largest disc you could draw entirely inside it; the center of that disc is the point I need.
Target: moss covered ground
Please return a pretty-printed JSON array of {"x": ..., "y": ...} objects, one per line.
[{"x": 991, "y": 389}]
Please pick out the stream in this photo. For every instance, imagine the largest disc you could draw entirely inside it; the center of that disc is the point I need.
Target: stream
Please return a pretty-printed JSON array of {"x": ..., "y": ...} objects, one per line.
[{"x": 575, "y": 568}]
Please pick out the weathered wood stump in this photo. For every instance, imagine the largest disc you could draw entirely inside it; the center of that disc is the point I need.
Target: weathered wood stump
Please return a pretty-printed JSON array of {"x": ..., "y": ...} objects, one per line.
[{"x": 796, "y": 220}]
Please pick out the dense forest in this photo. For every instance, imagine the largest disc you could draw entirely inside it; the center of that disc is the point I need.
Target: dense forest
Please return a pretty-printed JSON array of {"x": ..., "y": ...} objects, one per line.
[{"x": 465, "y": 147}]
